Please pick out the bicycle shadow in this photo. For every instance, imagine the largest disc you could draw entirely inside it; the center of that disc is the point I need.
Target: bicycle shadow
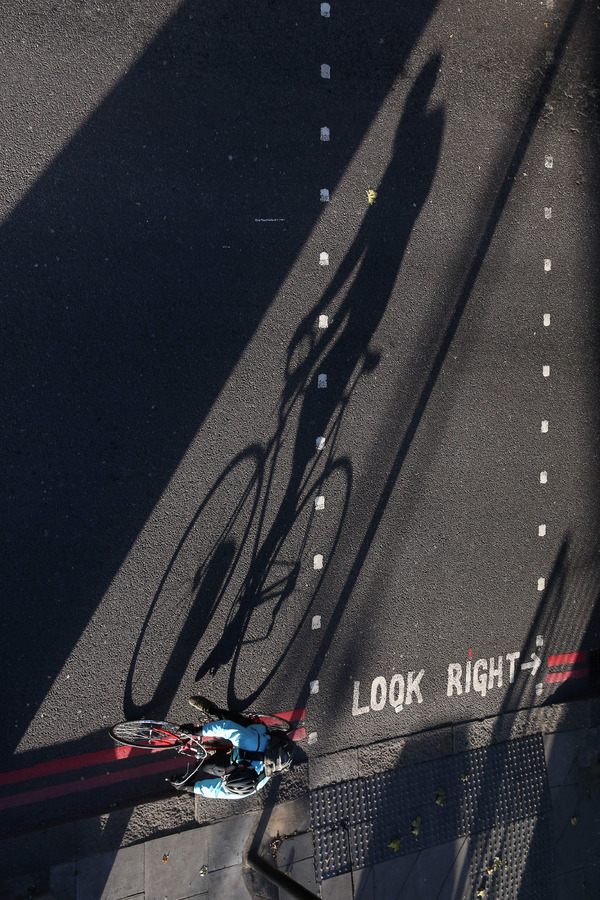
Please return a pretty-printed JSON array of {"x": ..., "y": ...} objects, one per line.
[{"x": 356, "y": 299}]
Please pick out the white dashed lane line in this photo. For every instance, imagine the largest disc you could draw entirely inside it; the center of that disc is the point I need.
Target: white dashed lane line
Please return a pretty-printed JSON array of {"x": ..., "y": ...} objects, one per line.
[{"x": 541, "y": 581}]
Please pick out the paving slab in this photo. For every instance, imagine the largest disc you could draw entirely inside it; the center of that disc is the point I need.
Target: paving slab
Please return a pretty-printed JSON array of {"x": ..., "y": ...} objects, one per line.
[
  {"x": 227, "y": 839},
  {"x": 173, "y": 865},
  {"x": 562, "y": 752},
  {"x": 390, "y": 877},
  {"x": 591, "y": 881},
  {"x": 227, "y": 884},
  {"x": 576, "y": 823},
  {"x": 337, "y": 888},
  {"x": 429, "y": 872},
  {"x": 63, "y": 881},
  {"x": 111, "y": 876},
  {"x": 295, "y": 848},
  {"x": 570, "y": 886},
  {"x": 301, "y": 871}
]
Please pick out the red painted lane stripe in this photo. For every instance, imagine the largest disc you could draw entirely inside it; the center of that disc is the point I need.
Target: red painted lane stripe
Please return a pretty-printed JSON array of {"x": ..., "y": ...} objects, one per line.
[
  {"x": 294, "y": 715},
  {"x": 173, "y": 764},
  {"x": 88, "y": 784},
  {"x": 567, "y": 659},
  {"x": 553, "y": 677},
  {"x": 102, "y": 757},
  {"x": 57, "y": 766}
]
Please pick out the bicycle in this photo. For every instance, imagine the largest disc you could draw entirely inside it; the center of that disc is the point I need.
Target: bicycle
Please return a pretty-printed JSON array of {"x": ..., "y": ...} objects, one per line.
[{"x": 152, "y": 734}]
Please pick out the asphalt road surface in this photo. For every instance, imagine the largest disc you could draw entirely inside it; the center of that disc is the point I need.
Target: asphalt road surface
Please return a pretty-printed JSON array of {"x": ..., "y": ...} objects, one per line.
[{"x": 264, "y": 439}]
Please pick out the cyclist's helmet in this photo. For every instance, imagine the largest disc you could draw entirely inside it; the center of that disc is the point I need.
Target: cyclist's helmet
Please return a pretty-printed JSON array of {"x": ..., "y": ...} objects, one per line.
[{"x": 241, "y": 781}]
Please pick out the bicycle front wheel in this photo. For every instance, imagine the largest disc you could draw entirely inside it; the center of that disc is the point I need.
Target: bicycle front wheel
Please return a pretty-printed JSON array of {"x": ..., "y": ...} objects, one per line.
[{"x": 149, "y": 734}]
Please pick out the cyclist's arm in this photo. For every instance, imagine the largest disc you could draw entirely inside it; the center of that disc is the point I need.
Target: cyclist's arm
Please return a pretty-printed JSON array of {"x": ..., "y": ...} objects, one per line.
[{"x": 214, "y": 790}]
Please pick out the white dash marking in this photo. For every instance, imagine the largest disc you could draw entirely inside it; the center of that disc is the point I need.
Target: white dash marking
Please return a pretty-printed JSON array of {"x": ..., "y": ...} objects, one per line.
[
  {"x": 548, "y": 212},
  {"x": 314, "y": 687},
  {"x": 542, "y": 530},
  {"x": 325, "y": 10},
  {"x": 320, "y": 443},
  {"x": 547, "y": 265},
  {"x": 324, "y": 195},
  {"x": 324, "y": 260},
  {"x": 322, "y": 381},
  {"x": 320, "y": 502},
  {"x": 325, "y": 71},
  {"x": 312, "y": 738},
  {"x": 544, "y": 426},
  {"x": 269, "y": 220},
  {"x": 548, "y": 162},
  {"x": 324, "y": 134},
  {"x": 546, "y": 371},
  {"x": 543, "y": 477},
  {"x": 323, "y": 321},
  {"x": 539, "y": 688},
  {"x": 398, "y": 708},
  {"x": 541, "y": 584},
  {"x": 316, "y": 623},
  {"x": 546, "y": 320},
  {"x": 318, "y": 561},
  {"x": 539, "y": 641}
]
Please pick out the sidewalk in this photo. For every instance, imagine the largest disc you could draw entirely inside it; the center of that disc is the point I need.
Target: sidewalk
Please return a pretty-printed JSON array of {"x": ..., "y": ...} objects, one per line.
[{"x": 509, "y": 807}]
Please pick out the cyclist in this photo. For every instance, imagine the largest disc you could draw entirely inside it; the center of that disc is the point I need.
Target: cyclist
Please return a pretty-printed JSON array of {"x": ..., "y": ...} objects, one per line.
[{"x": 242, "y": 768}]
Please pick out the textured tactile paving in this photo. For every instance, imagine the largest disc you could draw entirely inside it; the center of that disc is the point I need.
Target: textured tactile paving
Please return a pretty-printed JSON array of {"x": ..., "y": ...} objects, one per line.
[{"x": 498, "y": 793}]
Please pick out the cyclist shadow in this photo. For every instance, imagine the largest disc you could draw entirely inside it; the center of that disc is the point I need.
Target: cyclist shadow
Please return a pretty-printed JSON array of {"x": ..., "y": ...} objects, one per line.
[
  {"x": 207, "y": 588},
  {"x": 343, "y": 351}
]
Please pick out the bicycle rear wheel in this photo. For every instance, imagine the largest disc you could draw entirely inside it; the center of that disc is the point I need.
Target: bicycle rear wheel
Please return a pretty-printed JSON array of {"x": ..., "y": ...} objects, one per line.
[{"x": 148, "y": 734}]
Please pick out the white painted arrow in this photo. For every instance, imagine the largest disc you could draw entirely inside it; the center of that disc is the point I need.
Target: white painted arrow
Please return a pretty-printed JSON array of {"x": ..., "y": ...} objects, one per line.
[{"x": 533, "y": 665}]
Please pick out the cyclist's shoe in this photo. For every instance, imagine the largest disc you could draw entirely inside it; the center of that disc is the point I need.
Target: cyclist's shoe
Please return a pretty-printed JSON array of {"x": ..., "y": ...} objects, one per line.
[{"x": 206, "y": 706}]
